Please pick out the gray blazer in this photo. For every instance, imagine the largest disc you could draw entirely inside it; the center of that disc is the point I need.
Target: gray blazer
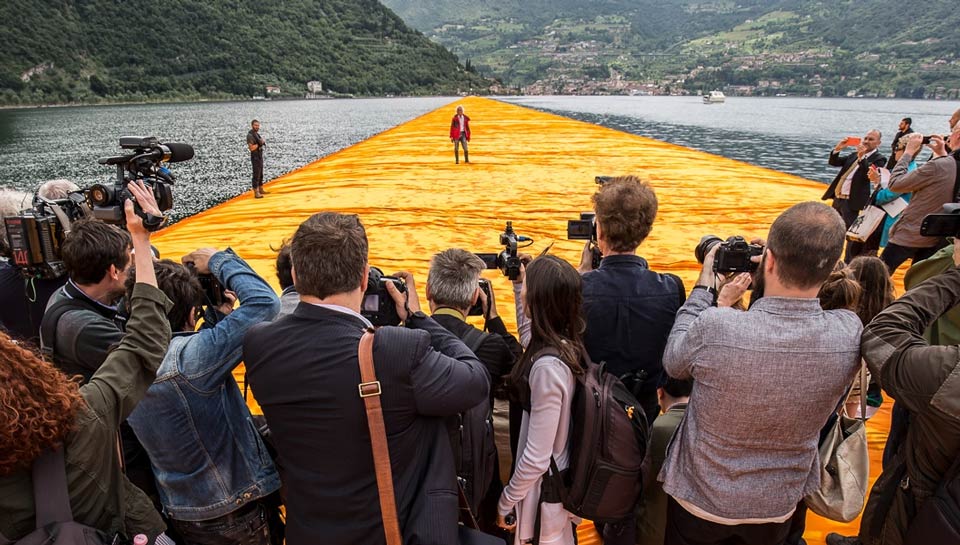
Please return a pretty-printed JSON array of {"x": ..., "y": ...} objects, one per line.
[{"x": 766, "y": 381}]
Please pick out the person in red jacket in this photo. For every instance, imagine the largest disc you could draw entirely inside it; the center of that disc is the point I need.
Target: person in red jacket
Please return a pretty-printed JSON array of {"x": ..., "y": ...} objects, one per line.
[{"x": 460, "y": 135}]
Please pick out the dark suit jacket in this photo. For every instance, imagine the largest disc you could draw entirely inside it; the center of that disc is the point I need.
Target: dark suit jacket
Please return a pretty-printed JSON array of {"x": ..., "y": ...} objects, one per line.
[
  {"x": 303, "y": 369},
  {"x": 892, "y": 162},
  {"x": 860, "y": 187},
  {"x": 498, "y": 351}
]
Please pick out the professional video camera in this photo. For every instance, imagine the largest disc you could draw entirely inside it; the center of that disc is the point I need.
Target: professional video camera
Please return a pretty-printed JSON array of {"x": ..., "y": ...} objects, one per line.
[
  {"x": 143, "y": 164},
  {"x": 585, "y": 228},
  {"x": 944, "y": 224},
  {"x": 35, "y": 235},
  {"x": 378, "y": 305},
  {"x": 477, "y": 308},
  {"x": 732, "y": 257},
  {"x": 507, "y": 260}
]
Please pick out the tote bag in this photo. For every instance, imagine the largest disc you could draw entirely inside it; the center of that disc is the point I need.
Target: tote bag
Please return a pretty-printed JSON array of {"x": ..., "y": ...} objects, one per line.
[{"x": 866, "y": 223}]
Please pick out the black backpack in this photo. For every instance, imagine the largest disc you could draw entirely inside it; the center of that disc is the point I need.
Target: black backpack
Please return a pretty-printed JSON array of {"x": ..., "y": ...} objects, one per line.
[
  {"x": 55, "y": 525},
  {"x": 609, "y": 437},
  {"x": 474, "y": 447}
]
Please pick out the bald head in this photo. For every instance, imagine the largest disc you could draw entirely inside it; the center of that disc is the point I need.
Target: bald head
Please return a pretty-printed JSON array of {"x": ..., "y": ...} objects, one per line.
[
  {"x": 871, "y": 140},
  {"x": 806, "y": 241}
]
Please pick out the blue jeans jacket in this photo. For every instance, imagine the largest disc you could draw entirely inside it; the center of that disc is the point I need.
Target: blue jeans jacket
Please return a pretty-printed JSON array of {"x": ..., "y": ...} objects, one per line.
[{"x": 206, "y": 453}]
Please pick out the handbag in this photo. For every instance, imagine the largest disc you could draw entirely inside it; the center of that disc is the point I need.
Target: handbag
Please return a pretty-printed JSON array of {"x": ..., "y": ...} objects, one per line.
[
  {"x": 370, "y": 391},
  {"x": 866, "y": 223},
  {"x": 844, "y": 464}
]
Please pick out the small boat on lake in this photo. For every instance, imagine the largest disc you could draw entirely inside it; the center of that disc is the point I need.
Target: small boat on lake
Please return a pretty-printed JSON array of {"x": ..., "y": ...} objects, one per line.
[{"x": 715, "y": 97}]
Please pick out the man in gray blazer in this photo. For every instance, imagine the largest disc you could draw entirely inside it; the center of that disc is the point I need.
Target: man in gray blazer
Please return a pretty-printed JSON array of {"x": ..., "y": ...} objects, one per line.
[
  {"x": 304, "y": 372},
  {"x": 765, "y": 382}
]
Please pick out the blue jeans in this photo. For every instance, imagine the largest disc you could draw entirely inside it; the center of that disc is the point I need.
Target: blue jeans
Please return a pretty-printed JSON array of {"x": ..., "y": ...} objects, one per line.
[{"x": 245, "y": 526}]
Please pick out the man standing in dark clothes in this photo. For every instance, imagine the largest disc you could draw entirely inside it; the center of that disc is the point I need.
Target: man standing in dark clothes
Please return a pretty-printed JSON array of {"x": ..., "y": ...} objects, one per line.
[
  {"x": 255, "y": 142},
  {"x": 904, "y": 130}
]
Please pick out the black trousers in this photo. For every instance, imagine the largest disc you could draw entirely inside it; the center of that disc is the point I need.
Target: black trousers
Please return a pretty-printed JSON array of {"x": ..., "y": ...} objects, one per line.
[
  {"x": 257, "y": 161},
  {"x": 684, "y": 528},
  {"x": 849, "y": 215},
  {"x": 894, "y": 255}
]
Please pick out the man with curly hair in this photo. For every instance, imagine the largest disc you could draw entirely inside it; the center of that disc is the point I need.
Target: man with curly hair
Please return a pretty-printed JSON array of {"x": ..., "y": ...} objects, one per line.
[{"x": 44, "y": 411}]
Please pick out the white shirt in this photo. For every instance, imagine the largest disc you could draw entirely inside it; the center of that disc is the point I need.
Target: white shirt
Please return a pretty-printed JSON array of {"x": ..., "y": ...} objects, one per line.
[
  {"x": 845, "y": 188},
  {"x": 462, "y": 123},
  {"x": 344, "y": 310}
]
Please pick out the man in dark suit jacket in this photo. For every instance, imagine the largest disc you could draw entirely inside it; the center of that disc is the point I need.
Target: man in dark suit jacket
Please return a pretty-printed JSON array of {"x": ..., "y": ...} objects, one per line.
[
  {"x": 850, "y": 190},
  {"x": 304, "y": 372}
]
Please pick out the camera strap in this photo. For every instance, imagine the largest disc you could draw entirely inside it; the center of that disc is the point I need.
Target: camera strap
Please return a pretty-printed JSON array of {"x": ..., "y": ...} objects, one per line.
[{"x": 956, "y": 183}]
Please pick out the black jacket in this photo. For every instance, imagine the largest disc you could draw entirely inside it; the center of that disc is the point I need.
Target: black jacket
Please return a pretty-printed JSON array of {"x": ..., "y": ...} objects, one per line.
[
  {"x": 629, "y": 311},
  {"x": 498, "y": 351},
  {"x": 860, "y": 186},
  {"x": 303, "y": 369},
  {"x": 20, "y": 315},
  {"x": 892, "y": 162}
]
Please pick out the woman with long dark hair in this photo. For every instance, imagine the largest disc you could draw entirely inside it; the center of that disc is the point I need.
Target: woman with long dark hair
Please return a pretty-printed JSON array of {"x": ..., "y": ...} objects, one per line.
[{"x": 551, "y": 328}]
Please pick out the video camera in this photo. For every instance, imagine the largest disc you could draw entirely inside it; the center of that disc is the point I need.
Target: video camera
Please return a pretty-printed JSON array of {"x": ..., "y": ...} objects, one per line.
[
  {"x": 378, "y": 306},
  {"x": 507, "y": 260},
  {"x": 143, "y": 164},
  {"x": 732, "y": 257},
  {"x": 944, "y": 224},
  {"x": 35, "y": 235}
]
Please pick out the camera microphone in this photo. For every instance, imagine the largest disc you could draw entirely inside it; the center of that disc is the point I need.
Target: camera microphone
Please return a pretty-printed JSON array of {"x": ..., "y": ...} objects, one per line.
[{"x": 172, "y": 152}]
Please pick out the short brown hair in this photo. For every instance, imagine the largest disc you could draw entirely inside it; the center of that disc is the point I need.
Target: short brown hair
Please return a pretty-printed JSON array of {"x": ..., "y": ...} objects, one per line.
[
  {"x": 806, "y": 240},
  {"x": 329, "y": 253},
  {"x": 91, "y": 247},
  {"x": 626, "y": 207},
  {"x": 283, "y": 265}
]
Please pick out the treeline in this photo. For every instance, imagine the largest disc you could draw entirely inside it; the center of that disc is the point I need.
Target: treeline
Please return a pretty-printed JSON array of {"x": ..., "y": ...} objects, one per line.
[{"x": 95, "y": 50}]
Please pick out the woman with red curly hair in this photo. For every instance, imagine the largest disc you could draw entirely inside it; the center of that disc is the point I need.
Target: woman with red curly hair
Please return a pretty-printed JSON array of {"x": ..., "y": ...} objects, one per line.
[{"x": 42, "y": 410}]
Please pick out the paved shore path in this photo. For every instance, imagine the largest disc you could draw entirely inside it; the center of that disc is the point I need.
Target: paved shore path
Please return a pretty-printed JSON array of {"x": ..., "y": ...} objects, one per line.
[{"x": 533, "y": 168}]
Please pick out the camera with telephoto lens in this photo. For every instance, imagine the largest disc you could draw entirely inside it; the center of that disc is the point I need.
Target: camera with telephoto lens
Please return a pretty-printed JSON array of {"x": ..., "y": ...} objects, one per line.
[
  {"x": 378, "y": 305},
  {"x": 35, "y": 235},
  {"x": 733, "y": 256},
  {"x": 585, "y": 228},
  {"x": 944, "y": 224},
  {"x": 507, "y": 261},
  {"x": 477, "y": 308},
  {"x": 144, "y": 164}
]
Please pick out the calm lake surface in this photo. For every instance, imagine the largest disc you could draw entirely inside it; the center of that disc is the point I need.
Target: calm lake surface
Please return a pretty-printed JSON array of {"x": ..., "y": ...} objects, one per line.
[{"x": 789, "y": 134}]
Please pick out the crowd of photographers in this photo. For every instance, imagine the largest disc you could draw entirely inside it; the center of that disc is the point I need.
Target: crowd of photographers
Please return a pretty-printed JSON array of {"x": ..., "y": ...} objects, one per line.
[{"x": 373, "y": 433}]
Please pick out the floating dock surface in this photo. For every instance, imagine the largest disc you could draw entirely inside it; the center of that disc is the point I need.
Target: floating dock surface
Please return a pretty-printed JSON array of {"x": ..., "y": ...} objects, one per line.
[{"x": 532, "y": 168}]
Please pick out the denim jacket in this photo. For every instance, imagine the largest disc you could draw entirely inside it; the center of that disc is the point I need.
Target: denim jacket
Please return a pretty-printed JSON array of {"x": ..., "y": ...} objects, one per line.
[{"x": 206, "y": 453}]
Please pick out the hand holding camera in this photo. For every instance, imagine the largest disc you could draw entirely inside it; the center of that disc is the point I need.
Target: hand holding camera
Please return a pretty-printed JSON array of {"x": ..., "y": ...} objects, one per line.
[
  {"x": 914, "y": 143},
  {"x": 144, "y": 197},
  {"x": 733, "y": 290},
  {"x": 406, "y": 301},
  {"x": 199, "y": 259}
]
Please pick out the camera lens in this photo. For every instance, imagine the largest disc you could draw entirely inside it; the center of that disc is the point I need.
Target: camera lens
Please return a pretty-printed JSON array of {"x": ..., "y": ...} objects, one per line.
[
  {"x": 101, "y": 195},
  {"x": 705, "y": 245}
]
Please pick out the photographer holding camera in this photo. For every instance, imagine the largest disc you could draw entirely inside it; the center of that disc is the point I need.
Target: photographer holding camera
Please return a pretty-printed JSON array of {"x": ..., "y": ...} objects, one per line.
[
  {"x": 628, "y": 308},
  {"x": 744, "y": 456},
  {"x": 47, "y": 415},
  {"x": 211, "y": 481},
  {"x": 452, "y": 289},
  {"x": 934, "y": 184},
  {"x": 303, "y": 369}
]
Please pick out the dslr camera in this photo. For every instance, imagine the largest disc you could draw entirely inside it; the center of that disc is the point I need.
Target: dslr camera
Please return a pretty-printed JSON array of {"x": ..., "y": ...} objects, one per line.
[
  {"x": 507, "y": 260},
  {"x": 214, "y": 293},
  {"x": 36, "y": 235},
  {"x": 944, "y": 224},
  {"x": 143, "y": 163},
  {"x": 378, "y": 306},
  {"x": 477, "y": 308},
  {"x": 732, "y": 257}
]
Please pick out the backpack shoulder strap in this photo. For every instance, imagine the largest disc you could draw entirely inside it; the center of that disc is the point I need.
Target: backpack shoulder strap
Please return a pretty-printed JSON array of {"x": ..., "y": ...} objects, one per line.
[
  {"x": 473, "y": 338},
  {"x": 50, "y": 495},
  {"x": 50, "y": 321},
  {"x": 956, "y": 183}
]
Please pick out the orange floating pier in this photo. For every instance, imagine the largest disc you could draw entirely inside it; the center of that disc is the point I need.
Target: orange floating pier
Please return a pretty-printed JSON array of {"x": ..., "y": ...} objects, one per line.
[{"x": 533, "y": 168}]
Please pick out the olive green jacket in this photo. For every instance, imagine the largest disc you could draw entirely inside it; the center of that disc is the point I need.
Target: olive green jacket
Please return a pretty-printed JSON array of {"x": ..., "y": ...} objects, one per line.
[
  {"x": 925, "y": 380},
  {"x": 946, "y": 330},
  {"x": 652, "y": 515},
  {"x": 100, "y": 495}
]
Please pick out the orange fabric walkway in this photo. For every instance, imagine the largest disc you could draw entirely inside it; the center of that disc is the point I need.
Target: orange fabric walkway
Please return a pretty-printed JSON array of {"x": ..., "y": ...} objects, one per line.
[{"x": 533, "y": 168}]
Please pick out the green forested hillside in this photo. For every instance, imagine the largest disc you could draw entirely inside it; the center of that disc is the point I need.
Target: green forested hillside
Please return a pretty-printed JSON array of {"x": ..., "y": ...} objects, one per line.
[
  {"x": 88, "y": 50},
  {"x": 830, "y": 47}
]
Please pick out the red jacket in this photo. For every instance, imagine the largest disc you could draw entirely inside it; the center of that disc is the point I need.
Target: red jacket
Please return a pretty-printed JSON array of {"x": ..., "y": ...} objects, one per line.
[{"x": 455, "y": 128}]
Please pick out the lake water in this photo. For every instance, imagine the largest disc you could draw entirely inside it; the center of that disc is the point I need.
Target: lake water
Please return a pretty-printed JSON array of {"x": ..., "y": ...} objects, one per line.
[{"x": 789, "y": 134}]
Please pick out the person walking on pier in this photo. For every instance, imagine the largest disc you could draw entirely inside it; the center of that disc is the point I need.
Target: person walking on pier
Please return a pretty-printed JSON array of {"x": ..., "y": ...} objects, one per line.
[
  {"x": 255, "y": 143},
  {"x": 460, "y": 135}
]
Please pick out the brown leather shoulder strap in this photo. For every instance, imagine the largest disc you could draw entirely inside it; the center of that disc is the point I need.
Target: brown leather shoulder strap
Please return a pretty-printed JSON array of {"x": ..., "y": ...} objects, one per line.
[{"x": 370, "y": 392}]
